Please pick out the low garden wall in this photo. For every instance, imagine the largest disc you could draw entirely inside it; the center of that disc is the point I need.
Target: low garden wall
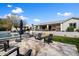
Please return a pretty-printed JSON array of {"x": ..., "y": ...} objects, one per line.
[{"x": 66, "y": 34}]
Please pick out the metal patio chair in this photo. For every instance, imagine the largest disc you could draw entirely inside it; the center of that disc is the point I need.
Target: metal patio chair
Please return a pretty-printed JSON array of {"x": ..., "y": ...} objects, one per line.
[
  {"x": 38, "y": 36},
  {"x": 49, "y": 39}
]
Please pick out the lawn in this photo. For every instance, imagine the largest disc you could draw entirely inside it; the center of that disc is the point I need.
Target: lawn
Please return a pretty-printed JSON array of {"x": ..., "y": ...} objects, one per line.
[{"x": 68, "y": 40}]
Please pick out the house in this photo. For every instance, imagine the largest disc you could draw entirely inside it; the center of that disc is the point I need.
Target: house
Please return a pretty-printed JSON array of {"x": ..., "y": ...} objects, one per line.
[{"x": 61, "y": 25}]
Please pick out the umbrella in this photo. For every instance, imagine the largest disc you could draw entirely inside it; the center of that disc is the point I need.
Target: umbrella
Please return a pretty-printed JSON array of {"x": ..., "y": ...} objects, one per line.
[{"x": 21, "y": 29}]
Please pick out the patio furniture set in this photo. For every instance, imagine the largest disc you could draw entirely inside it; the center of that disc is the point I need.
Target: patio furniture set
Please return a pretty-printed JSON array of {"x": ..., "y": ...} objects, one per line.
[{"x": 39, "y": 36}]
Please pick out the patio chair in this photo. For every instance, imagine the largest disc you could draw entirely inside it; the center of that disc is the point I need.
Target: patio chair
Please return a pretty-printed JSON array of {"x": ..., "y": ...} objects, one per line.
[
  {"x": 38, "y": 36},
  {"x": 49, "y": 39}
]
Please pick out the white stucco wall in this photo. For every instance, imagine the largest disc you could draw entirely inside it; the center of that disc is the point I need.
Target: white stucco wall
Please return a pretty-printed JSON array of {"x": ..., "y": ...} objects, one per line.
[{"x": 66, "y": 24}]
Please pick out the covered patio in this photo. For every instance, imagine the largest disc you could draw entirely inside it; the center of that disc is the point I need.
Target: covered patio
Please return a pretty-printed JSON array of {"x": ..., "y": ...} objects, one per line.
[{"x": 49, "y": 27}]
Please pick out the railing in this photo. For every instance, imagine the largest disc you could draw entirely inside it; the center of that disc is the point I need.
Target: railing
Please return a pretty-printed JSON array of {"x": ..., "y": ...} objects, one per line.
[
  {"x": 28, "y": 53},
  {"x": 11, "y": 51}
]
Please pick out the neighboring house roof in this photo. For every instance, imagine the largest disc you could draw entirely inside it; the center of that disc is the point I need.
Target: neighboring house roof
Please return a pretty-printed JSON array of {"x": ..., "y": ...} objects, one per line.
[
  {"x": 52, "y": 22},
  {"x": 75, "y": 18},
  {"x": 57, "y": 22}
]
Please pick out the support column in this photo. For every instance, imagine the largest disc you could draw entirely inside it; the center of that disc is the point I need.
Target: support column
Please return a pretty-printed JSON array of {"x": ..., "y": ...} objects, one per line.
[
  {"x": 77, "y": 25},
  {"x": 38, "y": 27},
  {"x": 61, "y": 27},
  {"x": 47, "y": 27},
  {"x": 34, "y": 27}
]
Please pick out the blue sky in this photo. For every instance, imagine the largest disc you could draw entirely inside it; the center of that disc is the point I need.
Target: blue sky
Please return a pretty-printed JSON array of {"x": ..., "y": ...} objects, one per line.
[{"x": 40, "y": 12}]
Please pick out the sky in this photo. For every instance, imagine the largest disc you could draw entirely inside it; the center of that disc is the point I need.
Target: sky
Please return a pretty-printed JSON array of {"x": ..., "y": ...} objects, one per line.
[{"x": 34, "y": 13}]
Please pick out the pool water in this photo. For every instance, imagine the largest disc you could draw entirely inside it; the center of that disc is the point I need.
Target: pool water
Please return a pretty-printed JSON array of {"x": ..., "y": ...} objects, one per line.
[{"x": 5, "y": 34}]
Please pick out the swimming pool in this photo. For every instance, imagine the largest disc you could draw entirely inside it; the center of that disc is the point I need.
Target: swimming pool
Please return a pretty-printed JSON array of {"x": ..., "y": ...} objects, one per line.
[{"x": 4, "y": 34}]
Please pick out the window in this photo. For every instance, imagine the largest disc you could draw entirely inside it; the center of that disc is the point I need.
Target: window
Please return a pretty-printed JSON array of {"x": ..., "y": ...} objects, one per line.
[{"x": 72, "y": 25}]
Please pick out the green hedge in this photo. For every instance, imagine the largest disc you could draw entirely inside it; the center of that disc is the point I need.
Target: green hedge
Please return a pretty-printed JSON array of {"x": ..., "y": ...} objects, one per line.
[{"x": 70, "y": 29}]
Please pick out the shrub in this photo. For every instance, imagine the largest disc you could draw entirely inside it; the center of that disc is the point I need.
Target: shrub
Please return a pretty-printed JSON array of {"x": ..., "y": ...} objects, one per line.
[
  {"x": 2, "y": 29},
  {"x": 70, "y": 29}
]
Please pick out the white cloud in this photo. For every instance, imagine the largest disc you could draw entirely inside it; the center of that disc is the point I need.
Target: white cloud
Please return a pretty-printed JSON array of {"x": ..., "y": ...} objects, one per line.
[
  {"x": 4, "y": 16},
  {"x": 9, "y": 6},
  {"x": 0, "y": 16},
  {"x": 59, "y": 14},
  {"x": 37, "y": 20},
  {"x": 7, "y": 15},
  {"x": 65, "y": 14},
  {"x": 16, "y": 17},
  {"x": 23, "y": 17},
  {"x": 17, "y": 10}
]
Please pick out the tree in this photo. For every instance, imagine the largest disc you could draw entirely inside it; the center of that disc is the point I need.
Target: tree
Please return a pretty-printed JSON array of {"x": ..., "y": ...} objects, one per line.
[
  {"x": 5, "y": 24},
  {"x": 11, "y": 20},
  {"x": 15, "y": 19}
]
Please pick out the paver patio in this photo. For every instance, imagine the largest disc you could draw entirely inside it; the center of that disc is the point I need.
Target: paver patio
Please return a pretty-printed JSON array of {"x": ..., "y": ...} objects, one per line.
[
  {"x": 43, "y": 49},
  {"x": 39, "y": 48}
]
